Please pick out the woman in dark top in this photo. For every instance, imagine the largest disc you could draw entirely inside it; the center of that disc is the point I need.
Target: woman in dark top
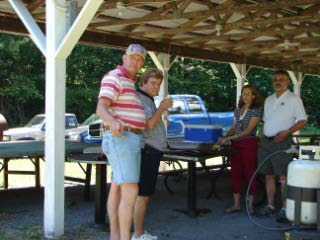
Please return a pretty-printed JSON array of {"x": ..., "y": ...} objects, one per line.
[{"x": 245, "y": 143}]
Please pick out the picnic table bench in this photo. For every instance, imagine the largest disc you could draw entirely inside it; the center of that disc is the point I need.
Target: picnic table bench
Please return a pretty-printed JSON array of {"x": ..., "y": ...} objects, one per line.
[{"x": 34, "y": 151}]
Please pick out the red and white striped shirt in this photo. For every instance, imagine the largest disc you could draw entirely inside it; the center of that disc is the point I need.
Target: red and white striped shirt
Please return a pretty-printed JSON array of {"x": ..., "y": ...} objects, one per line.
[{"x": 126, "y": 107}]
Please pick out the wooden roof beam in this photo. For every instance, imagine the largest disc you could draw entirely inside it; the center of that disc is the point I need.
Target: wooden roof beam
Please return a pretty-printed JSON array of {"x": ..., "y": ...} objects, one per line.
[
  {"x": 206, "y": 13},
  {"x": 110, "y": 4},
  {"x": 13, "y": 25},
  {"x": 231, "y": 26},
  {"x": 35, "y": 4},
  {"x": 253, "y": 35},
  {"x": 310, "y": 10},
  {"x": 300, "y": 43},
  {"x": 184, "y": 4},
  {"x": 112, "y": 41},
  {"x": 164, "y": 9}
]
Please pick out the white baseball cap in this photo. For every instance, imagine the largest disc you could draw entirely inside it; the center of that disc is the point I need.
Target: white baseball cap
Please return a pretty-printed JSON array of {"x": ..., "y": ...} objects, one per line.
[{"x": 136, "y": 49}]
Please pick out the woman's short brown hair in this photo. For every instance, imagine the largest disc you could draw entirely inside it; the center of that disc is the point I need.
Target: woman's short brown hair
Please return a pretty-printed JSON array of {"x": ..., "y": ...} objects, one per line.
[
  {"x": 152, "y": 72},
  {"x": 257, "y": 101}
]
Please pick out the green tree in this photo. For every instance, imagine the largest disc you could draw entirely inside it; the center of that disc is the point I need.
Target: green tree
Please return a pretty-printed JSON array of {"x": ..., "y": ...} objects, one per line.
[
  {"x": 310, "y": 94},
  {"x": 21, "y": 79},
  {"x": 85, "y": 67},
  {"x": 262, "y": 79},
  {"x": 213, "y": 82}
]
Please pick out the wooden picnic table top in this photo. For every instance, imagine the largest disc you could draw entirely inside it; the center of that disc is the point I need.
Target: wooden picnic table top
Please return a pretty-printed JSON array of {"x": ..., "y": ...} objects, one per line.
[{"x": 30, "y": 148}]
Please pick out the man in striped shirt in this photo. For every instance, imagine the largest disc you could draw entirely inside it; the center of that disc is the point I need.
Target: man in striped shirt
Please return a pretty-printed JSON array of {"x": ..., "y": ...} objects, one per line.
[{"x": 123, "y": 115}]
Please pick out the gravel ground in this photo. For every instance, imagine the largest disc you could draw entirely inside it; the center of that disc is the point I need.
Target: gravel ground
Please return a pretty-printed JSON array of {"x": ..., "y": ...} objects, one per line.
[{"x": 21, "y": 215}]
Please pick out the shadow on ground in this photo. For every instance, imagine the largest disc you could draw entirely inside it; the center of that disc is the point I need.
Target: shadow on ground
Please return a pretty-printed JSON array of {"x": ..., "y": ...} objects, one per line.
[{"x": 21, "y": 215}]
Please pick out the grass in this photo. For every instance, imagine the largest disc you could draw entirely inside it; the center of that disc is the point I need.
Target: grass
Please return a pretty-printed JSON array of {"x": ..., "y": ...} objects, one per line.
[
  {"x": 18, "y": 181},
  {"x": 23, "y": 232},
  {"x": 71, "y": 169},
  {"x": 310, "y": 130},
  {"x": 26, "y": 233},
  {"x": 33, "y": 232}
]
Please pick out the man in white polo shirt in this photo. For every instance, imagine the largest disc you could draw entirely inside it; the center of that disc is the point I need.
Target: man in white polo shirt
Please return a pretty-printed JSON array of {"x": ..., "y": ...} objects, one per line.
[{"x": 284, "y": 114}]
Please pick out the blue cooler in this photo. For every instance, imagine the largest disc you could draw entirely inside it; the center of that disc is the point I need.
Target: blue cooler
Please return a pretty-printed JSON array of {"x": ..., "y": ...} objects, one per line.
[{"x": 202, "y": 133}]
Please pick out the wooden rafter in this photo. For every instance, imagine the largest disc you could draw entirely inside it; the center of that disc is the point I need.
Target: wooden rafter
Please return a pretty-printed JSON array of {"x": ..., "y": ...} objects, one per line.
[
  {"x": 208, "y": 13},
  {"x": 261, "y": 31},
  {"x": 162, "y": 10},
  {"x": 35, "y": 4}
]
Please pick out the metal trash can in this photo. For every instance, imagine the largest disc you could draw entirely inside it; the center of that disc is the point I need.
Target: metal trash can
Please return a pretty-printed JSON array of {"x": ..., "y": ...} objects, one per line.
[{"x": 3, "y": 126}]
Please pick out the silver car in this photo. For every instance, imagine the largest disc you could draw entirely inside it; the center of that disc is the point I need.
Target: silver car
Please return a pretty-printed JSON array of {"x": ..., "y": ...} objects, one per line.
[{"x": 35, "y": 129}]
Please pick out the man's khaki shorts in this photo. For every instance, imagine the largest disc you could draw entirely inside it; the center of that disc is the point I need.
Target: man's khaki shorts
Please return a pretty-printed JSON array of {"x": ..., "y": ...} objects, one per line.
[{"x": 277, "y": 164}]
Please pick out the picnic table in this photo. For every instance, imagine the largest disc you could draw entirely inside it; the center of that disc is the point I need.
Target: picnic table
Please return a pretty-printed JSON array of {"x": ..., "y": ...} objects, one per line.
[
  {"x": 192, "y": 157},
  {"x": 90, "y": 153},
  {"x": 33, "y": 151},
  {"x": 93, "y": 156}
]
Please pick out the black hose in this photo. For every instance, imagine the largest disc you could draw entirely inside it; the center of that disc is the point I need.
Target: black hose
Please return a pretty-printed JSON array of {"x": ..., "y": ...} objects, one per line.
[{"x": 247, "y": 199}]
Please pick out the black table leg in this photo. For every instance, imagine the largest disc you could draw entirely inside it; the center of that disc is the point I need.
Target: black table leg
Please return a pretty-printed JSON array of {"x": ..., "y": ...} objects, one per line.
[
  {"x": 215, "y": 178},
  {"x": 192, "y": 191},
  {"x": 100, "y": 197},
  {"x": 192, "y": 209},
  {"x": 86, "y": 194}
]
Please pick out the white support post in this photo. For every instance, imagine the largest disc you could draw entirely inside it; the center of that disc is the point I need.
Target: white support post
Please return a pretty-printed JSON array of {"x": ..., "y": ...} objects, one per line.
[
  {"x": 33, "y": 28},
  {"x": 163, "y": 62},
  {"x": 78, "y": 27},
  {"x": 297, "y": 79},
  {"x": 55, "y": 121},
  {"x": 59, "y": 47},
  {"x": 240, "y": 71}
]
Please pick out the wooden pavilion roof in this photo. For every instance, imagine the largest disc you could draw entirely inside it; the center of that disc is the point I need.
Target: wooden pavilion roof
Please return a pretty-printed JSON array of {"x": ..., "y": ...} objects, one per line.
[{"x": 272, "y": 34}]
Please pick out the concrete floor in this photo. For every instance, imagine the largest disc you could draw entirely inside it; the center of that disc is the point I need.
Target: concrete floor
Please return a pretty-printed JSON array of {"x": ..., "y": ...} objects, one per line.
[{"x": 21, "y": 210}]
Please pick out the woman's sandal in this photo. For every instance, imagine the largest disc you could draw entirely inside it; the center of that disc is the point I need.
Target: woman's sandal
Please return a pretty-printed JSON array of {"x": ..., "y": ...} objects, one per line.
[{"x": 231, "y": 210}]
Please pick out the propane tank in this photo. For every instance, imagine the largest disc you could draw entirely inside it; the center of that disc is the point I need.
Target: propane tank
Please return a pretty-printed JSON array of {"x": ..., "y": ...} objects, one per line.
[{"x": 302, "y": 185}]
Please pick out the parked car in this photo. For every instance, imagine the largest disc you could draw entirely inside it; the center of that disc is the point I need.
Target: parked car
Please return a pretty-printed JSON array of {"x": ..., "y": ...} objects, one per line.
[
  {"x": 3, "y": 126},
  {"x": 187, "y": 115},
  {"x": 35, "y": 129},
  {"x": 78, "y": 134}
]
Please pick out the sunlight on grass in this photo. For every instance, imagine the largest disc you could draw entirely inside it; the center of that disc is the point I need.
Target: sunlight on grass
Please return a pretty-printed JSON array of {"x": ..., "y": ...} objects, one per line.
[
  {"x": 18, "y": 181},
  {"x": 309, "y": 130},
  {"x": 71, "y": 170}
]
